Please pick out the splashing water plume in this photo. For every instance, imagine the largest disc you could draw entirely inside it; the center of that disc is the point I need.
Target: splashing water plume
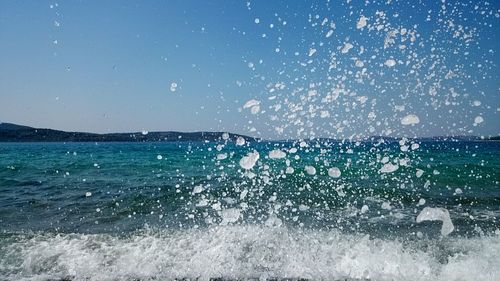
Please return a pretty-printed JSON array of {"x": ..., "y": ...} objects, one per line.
[{"x": 360, "y": 161}]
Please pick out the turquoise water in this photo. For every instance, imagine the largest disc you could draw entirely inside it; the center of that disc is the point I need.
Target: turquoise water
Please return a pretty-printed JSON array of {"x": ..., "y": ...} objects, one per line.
[{"x": 119, "y": 211}]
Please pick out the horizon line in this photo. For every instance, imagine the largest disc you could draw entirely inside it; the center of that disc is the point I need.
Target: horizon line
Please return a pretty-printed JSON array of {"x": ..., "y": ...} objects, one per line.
[{"x": 145, "y": 132}]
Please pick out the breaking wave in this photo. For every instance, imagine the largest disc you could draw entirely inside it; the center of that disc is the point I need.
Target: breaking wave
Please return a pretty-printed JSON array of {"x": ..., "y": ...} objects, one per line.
[{"x": 243, "y": 252}]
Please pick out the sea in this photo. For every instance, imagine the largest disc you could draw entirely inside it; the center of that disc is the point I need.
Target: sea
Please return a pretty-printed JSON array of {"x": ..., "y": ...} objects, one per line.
[{"x": 236, "y": 209}]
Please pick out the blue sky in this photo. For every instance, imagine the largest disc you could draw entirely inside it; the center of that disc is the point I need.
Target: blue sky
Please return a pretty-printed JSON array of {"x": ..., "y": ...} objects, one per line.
[{"x": 108, "y": 66}]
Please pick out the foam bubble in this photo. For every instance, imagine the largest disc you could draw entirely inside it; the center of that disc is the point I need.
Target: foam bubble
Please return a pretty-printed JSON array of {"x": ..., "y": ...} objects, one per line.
[
  {"x": 389, "y": 168},
  {"x": 310, "y": 170},
  {"x": 361, "y": 22},
  {"x": 173, "y": 87},
  {"x": 277, "y": 154},
  {"x": 248, "y": 161},
  {"x": 346, "y": 48},
  {"x": 221, "y": 156},
  {"x": 334, "y": 172},
  {"x": 421, "y": 202},
  {"x": 478, "y": 120},
  {"x": 390, "y": 62},
  {"x": 253, "y": 105},
  {"x": 440, "y": 214},
  {"x": 255, "y": 109},
  {"x": 240, "y": 141},
  {"x": 419, "y": 173},
  {"x": 410, "y": 119},
  {"x": 364, "y": 209}
]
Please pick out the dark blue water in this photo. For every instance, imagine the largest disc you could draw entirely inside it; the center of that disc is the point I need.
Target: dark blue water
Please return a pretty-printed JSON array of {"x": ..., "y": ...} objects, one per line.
[{"x": 118, "y": 211}]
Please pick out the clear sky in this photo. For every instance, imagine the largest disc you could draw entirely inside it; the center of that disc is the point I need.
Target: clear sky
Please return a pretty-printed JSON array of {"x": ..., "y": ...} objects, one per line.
[{"x": 315, "y": 68}]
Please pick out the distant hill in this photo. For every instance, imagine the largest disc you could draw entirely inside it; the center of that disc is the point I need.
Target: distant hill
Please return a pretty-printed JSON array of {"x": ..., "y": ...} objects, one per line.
[
  {"x": 10, "y": 126},
  {"x": 17, "y": 133}
]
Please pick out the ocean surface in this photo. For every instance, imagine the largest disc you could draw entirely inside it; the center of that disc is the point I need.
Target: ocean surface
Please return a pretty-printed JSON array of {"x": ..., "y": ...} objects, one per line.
[{"x": 318, "y": 210}]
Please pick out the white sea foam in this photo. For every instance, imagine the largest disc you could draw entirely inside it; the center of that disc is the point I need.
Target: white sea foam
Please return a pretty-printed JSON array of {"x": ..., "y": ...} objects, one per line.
[
  {"x": 238, "y": 252},
  {"x": 231, "y": 215}
]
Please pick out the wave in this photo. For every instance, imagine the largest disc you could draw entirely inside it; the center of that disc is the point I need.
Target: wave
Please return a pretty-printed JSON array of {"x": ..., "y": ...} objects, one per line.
[{"x": 242, "y": 252}]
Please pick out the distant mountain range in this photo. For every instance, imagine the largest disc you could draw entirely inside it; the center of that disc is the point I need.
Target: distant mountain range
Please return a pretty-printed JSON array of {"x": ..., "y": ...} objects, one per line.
[{"x": 18, "y": 133}]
